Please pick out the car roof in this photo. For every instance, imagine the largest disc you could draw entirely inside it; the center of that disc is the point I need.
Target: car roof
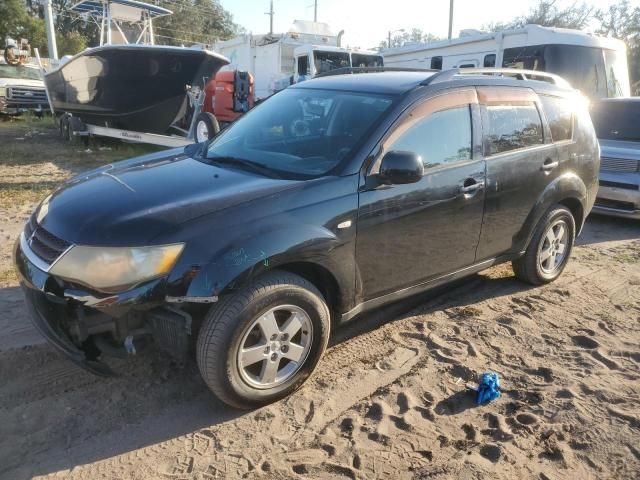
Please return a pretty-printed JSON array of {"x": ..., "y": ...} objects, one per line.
[
  {"x": 401, "y": 82},
  {"x": 390, "y": 83}
]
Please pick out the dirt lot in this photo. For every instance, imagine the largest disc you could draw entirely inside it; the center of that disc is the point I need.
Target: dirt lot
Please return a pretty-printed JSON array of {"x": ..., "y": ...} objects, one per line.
[{"x": 388, "y": 400}]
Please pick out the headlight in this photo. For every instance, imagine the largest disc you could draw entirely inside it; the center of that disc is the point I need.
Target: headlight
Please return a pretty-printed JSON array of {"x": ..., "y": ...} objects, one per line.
[
  {"x": 3, "y": 91},
  {"x": 115, "y": 269}
]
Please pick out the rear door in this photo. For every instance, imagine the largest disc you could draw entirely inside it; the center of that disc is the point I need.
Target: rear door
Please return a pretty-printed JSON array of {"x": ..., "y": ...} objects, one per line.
[
  {"x": 409, "y": 234},
  {"x": 521, "y": 161}
]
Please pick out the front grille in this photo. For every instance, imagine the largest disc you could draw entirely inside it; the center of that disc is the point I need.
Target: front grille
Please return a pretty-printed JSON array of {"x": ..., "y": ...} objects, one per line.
[
  {"x": 619, "y": 165},
  {"x": 625, "y": 186},
  {"x": 44, "y": 244},
  {"x": 22, "y": 95},
  {"x": 616, "y": 204}
]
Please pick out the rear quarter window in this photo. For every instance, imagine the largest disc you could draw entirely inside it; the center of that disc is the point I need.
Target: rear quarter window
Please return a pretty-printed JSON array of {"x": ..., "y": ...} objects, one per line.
[
  {"x": 512, "y": 127},
  {"x": 559, "y": 115}
]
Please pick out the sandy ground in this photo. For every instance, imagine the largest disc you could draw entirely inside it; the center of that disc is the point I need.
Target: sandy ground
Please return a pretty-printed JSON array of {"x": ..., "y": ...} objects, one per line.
[{"x": 388, "y": 400}]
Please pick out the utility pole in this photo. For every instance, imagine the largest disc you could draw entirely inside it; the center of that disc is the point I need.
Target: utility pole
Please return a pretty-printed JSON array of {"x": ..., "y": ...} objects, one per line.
[
  {"x": 315, "y": 11},
  {"x": 450, "y": 18},
  {"x": 51, "y": 35},
  {"x": 270, "y": 13}
]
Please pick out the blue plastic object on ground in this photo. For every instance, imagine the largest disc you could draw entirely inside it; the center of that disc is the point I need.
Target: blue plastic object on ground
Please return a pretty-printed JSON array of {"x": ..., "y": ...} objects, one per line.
[{"x": 489, "y": 388}]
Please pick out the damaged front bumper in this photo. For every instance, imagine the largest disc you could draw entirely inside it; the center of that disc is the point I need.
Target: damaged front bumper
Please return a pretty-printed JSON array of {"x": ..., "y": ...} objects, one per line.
[{"x": 85, "y": 326}]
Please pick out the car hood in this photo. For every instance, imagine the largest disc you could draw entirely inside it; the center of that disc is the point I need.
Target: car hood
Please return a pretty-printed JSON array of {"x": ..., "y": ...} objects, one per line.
[
  {"x": 22, "y": 82},
  {"x": 130, "y": 203}
]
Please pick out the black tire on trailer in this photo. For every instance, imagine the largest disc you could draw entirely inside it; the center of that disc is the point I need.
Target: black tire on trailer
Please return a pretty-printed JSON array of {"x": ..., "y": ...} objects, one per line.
[
  {"x": 206, "y": 127},
  {"x": 261, "y": 343},
  {"x": 63, "y": 125},
  {"x": 549, "y": 249},
  {"x": 76, "y": 126}
]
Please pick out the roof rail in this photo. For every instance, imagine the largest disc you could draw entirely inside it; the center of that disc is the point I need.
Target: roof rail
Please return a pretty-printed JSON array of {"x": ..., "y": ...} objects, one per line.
[
  {"x": 520, "y": 74},
  {"x": 350, "y": 70}
]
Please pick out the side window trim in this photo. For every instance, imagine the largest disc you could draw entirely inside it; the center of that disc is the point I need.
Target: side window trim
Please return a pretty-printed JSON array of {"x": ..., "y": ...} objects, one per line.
[{"x": 427, "y": 106}]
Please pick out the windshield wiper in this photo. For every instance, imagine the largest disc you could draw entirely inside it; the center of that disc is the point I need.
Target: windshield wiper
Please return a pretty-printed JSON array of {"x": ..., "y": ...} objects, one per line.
[{"x": 251, "y": 165}]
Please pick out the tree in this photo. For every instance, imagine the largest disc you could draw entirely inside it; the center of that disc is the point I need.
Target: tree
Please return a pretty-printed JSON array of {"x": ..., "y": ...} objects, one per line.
[
  {"x": 623, "y": 22},
  {"x": 548, "y": 14},
  {"x": 15, "y": 20},
  {"x": 194, "y": 21},
  {"x": 416, "y": 35}
]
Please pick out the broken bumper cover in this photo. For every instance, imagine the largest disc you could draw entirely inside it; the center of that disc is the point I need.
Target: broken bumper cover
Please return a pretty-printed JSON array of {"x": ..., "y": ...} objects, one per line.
[
  {"x": 46, "y": 317},
  {"x": 53, "y": 308}
]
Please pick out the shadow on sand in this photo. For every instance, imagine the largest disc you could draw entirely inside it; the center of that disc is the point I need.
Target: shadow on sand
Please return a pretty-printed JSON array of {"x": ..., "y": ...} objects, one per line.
[{"x": 54, "y": 416}]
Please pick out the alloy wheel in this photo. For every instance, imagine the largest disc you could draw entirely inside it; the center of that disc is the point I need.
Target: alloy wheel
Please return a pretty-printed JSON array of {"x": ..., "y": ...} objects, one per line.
[
  {"x": 275, "y": 346},
  {"x": 553, "y": 247}
]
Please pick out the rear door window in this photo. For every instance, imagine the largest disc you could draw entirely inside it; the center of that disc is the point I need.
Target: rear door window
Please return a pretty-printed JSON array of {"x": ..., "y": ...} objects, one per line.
[
  {"x": 559, "y": 116},
  {"x": 513, "y": 126}
]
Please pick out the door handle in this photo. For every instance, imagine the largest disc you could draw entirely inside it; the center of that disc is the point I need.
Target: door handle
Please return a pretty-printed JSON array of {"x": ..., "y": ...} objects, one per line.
[
  {"x": 549, "y": 165},
  {"x": 469, "y": 187}
]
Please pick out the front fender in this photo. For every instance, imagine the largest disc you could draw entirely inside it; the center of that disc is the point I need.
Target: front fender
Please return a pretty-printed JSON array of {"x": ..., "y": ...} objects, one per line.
[
  {"x": 240, "y": 261},
  {"x": 567, "y": 187}
]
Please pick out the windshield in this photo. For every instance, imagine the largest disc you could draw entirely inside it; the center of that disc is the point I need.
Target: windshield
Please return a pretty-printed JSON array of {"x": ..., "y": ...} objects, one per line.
[
  {"x": 19, "y": 72},
  {"x": 617, "y": 73},
  {"x": 327, "y": 61},
  {"x": 362, "y": 60},
  {"x": 596, "y": 72},
  {"x": 616, "y": 120},
  {"x": 301, "y": 133}
]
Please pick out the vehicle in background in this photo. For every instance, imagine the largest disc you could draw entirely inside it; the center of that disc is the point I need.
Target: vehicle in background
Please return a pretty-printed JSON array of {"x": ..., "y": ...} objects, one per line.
[
  {"x": 21, "y": 89},
  {"x": 227, "y": 96},
  {"x": 617, "y": 124},
  {"x": 304, "y": 51},
  {"x": 129, "y": 87},
  {"x": 597, "y": 66},
  {"x": 334, "y": 197},
  {"x": 21, "y": 85}
]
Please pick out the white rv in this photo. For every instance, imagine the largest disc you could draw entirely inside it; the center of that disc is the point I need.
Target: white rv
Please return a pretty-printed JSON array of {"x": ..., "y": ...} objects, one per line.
[
  {"x": 595, "y": 65},
  {"x": 277, "y": 60}
]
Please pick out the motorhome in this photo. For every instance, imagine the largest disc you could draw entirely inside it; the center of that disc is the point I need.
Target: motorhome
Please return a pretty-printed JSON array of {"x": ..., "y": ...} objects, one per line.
[
  {"x": 595, "y": 65},
  {"x": 304, "y": 51}
]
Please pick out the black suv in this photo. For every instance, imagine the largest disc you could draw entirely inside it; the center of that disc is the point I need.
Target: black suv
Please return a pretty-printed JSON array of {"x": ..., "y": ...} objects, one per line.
[{"x": 331, "y": 198}]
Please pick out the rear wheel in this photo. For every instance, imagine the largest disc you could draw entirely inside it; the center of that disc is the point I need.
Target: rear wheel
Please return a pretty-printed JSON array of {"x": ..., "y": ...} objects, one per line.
[
  {"x": 549, "y": 250},
  {"x": 207, "y": 127},
  {"x": 262, "y": 343}
]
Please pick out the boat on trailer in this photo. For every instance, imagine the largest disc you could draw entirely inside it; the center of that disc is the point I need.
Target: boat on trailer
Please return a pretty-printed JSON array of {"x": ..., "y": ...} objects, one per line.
[{"x": 130, "y": 85}]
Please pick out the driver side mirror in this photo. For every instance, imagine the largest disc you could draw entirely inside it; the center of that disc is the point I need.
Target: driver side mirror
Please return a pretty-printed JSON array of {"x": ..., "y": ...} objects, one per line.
[{"x": 400, "y": 167}]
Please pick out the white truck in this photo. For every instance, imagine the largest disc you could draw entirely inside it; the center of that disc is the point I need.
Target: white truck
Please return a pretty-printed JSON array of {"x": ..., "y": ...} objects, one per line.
[
  {"x": 595, "y": 65},
  {"x": 304, "y": 51}
]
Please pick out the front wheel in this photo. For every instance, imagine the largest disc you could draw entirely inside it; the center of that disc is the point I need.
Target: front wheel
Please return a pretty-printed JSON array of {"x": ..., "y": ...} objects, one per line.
[
  {"x": 263, "y": 342},
  {"x": 550, "y": 247}
]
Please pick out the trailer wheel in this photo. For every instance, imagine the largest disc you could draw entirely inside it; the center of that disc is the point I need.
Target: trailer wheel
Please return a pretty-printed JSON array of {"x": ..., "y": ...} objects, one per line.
[
  {"x": 64, "y": 127},
  {"x": 207, "y": 127},
  {"x": 76, "y": 126}
]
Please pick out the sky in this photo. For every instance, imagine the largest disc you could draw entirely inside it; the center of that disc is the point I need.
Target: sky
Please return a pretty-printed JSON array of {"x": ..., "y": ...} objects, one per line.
[{"x": 367, "y": 22}]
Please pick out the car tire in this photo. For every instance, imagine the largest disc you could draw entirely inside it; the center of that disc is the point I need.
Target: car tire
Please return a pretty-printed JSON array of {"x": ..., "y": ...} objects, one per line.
[
  {"x": 550, "y": 248},
  {"x": 243, "y": 324},
  {"x": 206, "y": 127}
]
